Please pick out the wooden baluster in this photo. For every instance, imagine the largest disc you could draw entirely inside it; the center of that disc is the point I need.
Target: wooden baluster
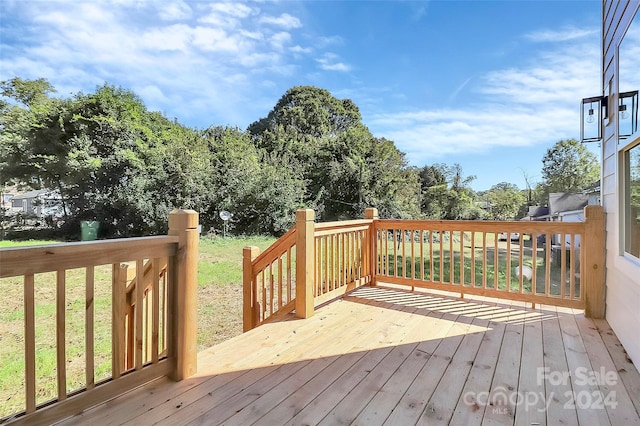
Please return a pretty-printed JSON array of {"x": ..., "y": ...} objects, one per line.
[
  {"x": 421, "y": 254},
  {"x": 344, "y": 259},
  {"x": 165, "y": 311},
  {"x": 507, "y": 270},
  {"x": 323, "y": 259},
  {"x": 496, "y": 259},
  {"x": 413, "y": 255},
  {"x": 155, "y": 311},
  {"x": 461, "y": 279},
  {"x": 473, "y": 259},
  {"x": 572, "y": 268},
  {"x": 137, "y": 312},
  {"x": 289, "y": 281},
  {"x": 61, "y": 358},
  {"x": 316, "y": 271},
  {"x": 402, "y": 237},
  {"x": 534, "y": 265},
  {"x": 335, "y": 261},
  {"x": 441, "y": 238},
  {"x": 452, "y": 263},
  {"x": 118, "y": 329},
  {"x": 484, "y": 260},
  {"x": 431, "y": 267},
  {"x": 271, "y": 289},
  {"x": 280, "y": 288},
  {"x": 29, "y": 343},
  {"x": 89, "y": 329},
  {"x": 263, "y": 288}
]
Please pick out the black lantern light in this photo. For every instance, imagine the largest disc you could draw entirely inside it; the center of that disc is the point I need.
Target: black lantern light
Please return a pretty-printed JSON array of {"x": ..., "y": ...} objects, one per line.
[
  {"x": 592, "y": 112},
  {"x": 627, "y": 114}
]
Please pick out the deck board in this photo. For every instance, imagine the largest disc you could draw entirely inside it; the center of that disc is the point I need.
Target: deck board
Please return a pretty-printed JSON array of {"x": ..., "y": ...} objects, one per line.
[{"x": 382, "y": 355}]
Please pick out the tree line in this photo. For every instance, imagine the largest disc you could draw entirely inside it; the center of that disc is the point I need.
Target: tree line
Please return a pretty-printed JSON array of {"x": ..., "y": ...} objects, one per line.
[{"x": 113, "y": 160}]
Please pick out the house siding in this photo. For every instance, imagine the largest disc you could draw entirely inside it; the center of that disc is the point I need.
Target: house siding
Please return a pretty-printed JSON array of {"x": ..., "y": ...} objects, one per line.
[{"x": 622, "y": 274}]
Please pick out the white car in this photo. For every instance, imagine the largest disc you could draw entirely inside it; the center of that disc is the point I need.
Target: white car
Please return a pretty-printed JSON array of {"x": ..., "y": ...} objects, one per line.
[{"x": 513, "y": 236}]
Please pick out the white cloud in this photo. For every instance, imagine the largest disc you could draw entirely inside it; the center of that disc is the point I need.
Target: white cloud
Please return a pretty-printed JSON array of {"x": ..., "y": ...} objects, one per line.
[
  {"x": 174, "y": 37},
  {"x": 329, "y": 62},
  {"x": 278, "y": 40},
  {"x": 226, "y": 14},
  {"x": 215, "y": 39},
  {"x": 239, "y": 10},
  {"x": 254, "y": 35},
  {"x": 285, "y": 21},
  {"x": 300, "y": 49},
  {"x": 565, "y": 34},
  {"x": 174, "y": 11}
]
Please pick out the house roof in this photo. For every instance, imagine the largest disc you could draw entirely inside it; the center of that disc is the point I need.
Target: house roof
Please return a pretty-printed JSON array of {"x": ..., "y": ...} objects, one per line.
[
  {"x": 31, "y": 194},
  {"x": 537, "y": 213},
  {"x": 566, "y": 201}
]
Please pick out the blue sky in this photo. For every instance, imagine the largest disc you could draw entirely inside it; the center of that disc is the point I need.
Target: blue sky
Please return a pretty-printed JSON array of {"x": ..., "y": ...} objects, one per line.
[{"x": 487, "y": 84}]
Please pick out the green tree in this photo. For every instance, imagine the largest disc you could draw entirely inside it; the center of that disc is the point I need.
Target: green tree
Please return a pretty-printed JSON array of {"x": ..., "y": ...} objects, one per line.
[
  {"x": 505, "y": 200},
  {"x": 104, "y": 152},
  {"x": 262, "y": 191},
  {"x": 446, "y": 193},
  {"x": 345, "y": 168},
  {"x": 568, "y": 167}
]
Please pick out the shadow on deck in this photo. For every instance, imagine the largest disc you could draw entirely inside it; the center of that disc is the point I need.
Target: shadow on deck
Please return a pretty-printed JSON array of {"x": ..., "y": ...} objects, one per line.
[{"x": 382, "y": 355}]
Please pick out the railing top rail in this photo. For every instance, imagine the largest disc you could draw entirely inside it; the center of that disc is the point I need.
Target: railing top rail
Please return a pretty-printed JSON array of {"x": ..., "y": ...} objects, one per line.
[
  {"x": 487, "y": 226},
  {"x": 19, "y": 261},
  {"x": 285, "y": 242},
  {"x": 342, "y": 224}
]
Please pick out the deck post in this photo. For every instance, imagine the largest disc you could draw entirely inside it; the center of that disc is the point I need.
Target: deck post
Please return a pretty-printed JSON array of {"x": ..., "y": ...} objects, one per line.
[
  {"x": 305, "y": 262},
  {"x": 371, "y": 253},
  {"x": 184, "y": 295},
  {"x": 593, "y": 256},
  {"x": 250, "y": 308}
]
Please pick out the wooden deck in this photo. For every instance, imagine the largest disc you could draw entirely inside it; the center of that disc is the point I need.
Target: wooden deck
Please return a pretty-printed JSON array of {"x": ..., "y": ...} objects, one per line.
[{"x": 388, "y": 356}]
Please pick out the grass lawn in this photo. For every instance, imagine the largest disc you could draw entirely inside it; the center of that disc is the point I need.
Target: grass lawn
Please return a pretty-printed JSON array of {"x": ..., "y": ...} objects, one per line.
[{"x": 219, "y": 318}]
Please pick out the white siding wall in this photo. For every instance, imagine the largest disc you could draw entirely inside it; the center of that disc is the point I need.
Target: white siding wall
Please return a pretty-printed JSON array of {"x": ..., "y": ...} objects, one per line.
[{"x": 622, "y": 274}]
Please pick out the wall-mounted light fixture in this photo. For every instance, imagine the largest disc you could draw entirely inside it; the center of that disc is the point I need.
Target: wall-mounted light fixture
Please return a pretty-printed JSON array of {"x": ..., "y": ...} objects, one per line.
[
  {"x": 627, "y": 114},
  {"x": 592, "y": 112}
]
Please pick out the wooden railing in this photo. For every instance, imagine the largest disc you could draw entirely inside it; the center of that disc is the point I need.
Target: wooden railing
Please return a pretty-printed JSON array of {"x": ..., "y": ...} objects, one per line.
[
  {"x": 548, "y": 262},
  {"x": 268, "y": 281},
  {"x": 153, "y": 316},
  {"x": 554, "y": 263},
  {"x": 330, "y": 258},
  {"x": 341, "y": 257}
]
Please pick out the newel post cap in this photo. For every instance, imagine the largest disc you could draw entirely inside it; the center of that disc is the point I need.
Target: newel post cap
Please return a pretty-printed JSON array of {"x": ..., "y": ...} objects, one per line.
[{"x": 183, "y": 219}]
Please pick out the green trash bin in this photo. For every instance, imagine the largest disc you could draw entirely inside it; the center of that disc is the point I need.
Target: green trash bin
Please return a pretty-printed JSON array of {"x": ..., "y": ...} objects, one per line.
[{"x": 89, "y": 230}]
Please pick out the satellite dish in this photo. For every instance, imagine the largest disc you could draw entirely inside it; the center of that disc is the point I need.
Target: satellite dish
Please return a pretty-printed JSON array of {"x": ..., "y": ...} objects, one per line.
[{"x": 225, "y": 215}]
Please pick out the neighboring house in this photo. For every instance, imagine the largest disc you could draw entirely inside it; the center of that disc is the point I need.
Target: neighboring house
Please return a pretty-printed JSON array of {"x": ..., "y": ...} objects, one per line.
[
  {"x": 620, "y": 188},
  {"x": 39, "y": 202},
  {"x": 561, "y": 205}
]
